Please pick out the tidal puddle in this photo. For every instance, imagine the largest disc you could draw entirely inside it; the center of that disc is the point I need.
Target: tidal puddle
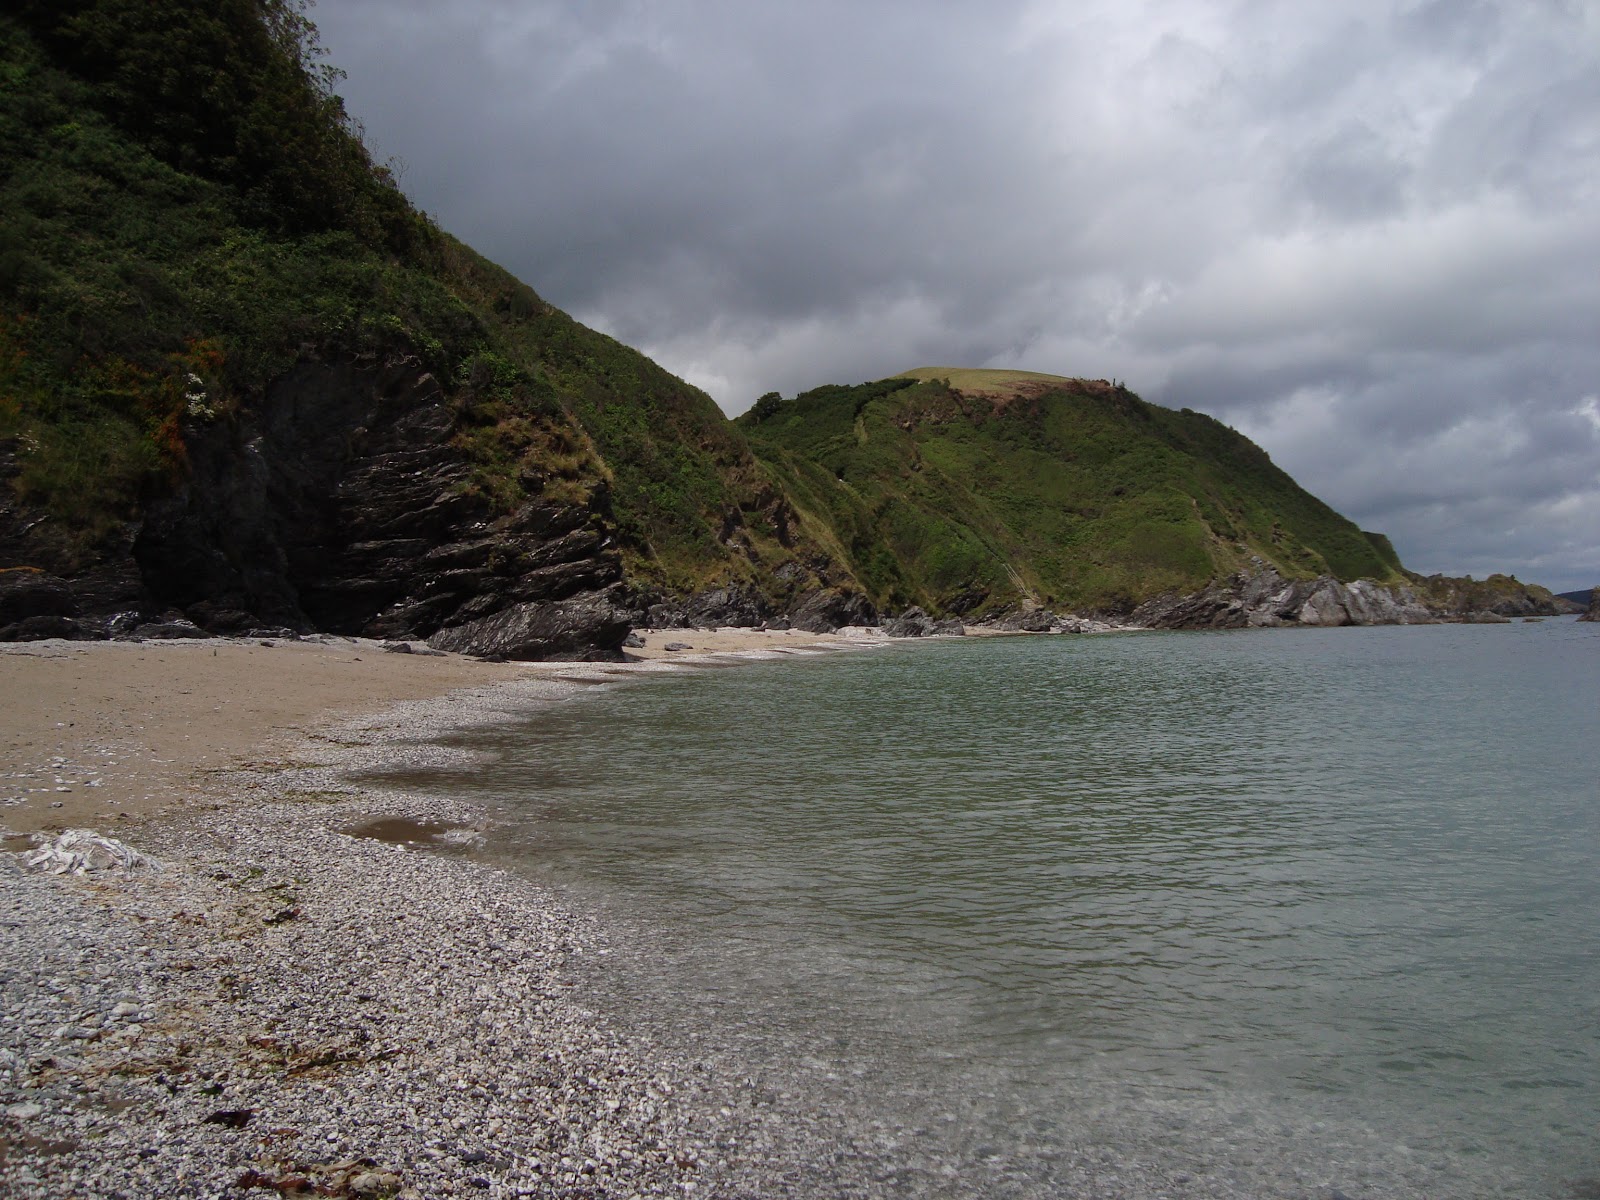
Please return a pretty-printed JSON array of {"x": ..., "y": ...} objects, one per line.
[{"x": 407, "y": 831}]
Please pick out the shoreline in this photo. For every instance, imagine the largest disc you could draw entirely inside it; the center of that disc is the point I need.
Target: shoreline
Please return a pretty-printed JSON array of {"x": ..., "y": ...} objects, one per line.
[
  {"x": 279, "y": 1003},
  {"x": 285, "y": 1004},
  {"x": 127, "y": 732}
]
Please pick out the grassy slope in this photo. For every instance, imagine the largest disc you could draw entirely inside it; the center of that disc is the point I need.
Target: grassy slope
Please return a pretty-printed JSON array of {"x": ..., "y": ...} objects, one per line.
[
  {"x": 1069, "y": 492},
  {"x": 135, "y": 278}
]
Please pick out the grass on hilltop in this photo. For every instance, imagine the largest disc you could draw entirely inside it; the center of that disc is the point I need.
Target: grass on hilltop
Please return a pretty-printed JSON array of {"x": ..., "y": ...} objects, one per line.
[{"x": 1013, "y": 486}]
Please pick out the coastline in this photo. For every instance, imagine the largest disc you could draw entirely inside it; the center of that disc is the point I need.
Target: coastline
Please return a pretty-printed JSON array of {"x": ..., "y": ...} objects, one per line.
[
  {"x": 278, "y": 1003},
  {"x": 124, "y": 732},
  {"x": 285, "y": 1007}
]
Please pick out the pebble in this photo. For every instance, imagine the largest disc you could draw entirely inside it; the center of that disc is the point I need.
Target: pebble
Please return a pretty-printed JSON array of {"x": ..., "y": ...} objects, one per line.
[{"x": 420, "y": 1028}]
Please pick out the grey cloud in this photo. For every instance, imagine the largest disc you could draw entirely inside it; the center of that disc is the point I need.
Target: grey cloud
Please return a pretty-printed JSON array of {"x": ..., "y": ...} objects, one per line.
[{"x": 1361, "y": 233}]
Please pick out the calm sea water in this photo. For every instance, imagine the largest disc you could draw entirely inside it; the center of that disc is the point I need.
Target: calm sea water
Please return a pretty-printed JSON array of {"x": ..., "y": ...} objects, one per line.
[{"x": 1264, "y": 913}]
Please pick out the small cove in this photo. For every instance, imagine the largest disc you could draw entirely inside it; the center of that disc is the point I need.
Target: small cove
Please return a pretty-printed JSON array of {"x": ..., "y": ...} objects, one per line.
[{"x": 1257, "y": 913}]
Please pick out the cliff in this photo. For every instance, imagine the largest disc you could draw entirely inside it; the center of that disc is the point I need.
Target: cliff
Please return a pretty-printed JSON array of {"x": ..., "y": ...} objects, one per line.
[{"x": 243, "y": 384}]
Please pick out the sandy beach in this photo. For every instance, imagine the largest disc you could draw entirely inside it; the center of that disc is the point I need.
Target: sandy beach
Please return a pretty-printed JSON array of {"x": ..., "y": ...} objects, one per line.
[
  {"x": 96, "y": 732},
  {"x": 269, "y": 984}
]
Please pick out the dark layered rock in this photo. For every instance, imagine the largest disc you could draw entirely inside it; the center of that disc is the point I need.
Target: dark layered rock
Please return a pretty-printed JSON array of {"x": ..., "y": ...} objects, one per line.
[
  {"x": 38, "y": 629},
  {"x": 27, "y": 592},
  {"x": 35, "y": 605},
  {"x": 584, "y": 628},
  {"x": 914, "y": 622},
  {"x": 339, "y": 501},
  {"x": 1035, "y": 620},
  {"x": 825, "y": 610},
  {"x": 714, "y": 608},
  {"x": 911, "y": 623},
  {"x": 1592, "y": 613}
]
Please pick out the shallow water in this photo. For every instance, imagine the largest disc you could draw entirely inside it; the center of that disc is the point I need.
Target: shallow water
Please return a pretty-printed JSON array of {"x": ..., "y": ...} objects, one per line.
[{"x": 1260, "y": 913}]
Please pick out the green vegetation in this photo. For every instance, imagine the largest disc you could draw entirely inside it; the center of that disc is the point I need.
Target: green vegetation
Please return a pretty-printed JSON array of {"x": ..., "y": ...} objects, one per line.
[
  {"x": 190, "y": 211},
  {"x": 1071, "y": 493},
  {"x": 1498, "y": 593}
]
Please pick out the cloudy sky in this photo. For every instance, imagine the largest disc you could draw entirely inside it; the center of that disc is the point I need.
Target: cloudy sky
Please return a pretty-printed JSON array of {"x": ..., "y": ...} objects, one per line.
[{"x": 1366, "y": 234}]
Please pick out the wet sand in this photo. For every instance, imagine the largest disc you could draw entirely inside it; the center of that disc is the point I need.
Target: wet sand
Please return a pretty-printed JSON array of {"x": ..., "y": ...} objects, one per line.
[{"x": 101, "y": 734}]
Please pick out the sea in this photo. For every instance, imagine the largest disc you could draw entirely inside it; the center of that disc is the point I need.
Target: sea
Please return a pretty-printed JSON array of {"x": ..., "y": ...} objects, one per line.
[{"x": 1300, "y": 913}]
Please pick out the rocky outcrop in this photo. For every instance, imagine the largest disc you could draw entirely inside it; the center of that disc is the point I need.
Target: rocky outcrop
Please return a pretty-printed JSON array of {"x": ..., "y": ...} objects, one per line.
[
  {"x": 36, "y": 605},
  {"x": 1592, "y": 613},
  {"x": 825, "y": 610},
  {"x": 586, "y": 628},
  {"x": 1032, "y": 620},
  {"x": 714, "y": 608},
  {"x": 1266, "y": 599},
  {"x": 1466, "y": 599},
  {"x": 340, "y": 501},
  {"x": 916, "y": 623}
]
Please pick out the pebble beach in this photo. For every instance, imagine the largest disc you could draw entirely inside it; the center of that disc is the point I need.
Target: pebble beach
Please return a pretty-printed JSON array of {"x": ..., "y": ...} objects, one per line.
[{"x": 260, "y": 978}]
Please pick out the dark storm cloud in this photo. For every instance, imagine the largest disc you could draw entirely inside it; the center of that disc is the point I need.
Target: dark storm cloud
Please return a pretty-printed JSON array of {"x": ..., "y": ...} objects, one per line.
[{"x": 1361, "y": 233}]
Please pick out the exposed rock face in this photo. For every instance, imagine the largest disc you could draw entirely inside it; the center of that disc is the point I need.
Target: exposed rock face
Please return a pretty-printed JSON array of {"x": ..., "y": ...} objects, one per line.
[
  {"x": 710, "y": 609},
  {"x": 1036, "y": 620},
  {"x": 911, "y": 623},
  {"x": 1592, "y": 613},
  {"x": 587, "y": 627},
  {"x": 828, "y": 609},
  {"x": 916, "y": 623},
  {"x": 36, "y": 605},
  {"x": 338, "y": 502},
  {"x": 1267, "y": 599}
]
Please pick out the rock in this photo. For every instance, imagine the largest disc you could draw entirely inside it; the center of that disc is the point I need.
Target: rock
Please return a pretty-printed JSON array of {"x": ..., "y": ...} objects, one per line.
[
  {"x": 911, "y": 623},
  {"x": 214, "y": 618},
  {"x": 397, "y": 647},
  {"x": 720, "y": 607},
  {"x": 582, "y": 628},
  {"x": 961, "y": 603},
  {"x": 24, "y": 1111},
  {"x": 25, "y": 593},
  {"x": 1037, "y": 620},
  {"x": 1264, "y": 599},
  {"x": 37, "y": 629},
  {"x": 121, "y": 625},
  {"x": 373, "y": 1183},
  {"x": 1592, "y": 613},
  {"x": 336, "y": 499},
  {"x": 168, "y": 629},
  {"x": 230, "y": 1118},
  {"x": 825, "y": 610},
  {"x": 80, "y": 851},
  {"x": 633, "y": 641},
  {"x": 676, "y": 646}
]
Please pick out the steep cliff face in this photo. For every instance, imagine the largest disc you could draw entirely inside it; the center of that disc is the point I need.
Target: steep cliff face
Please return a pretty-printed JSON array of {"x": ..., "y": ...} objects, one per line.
[
  {"x": 343, "y": 501},
  {"x": 270, "y": 393},
  {"x": 262, "y": 392}
]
